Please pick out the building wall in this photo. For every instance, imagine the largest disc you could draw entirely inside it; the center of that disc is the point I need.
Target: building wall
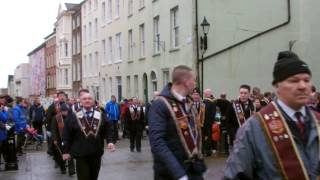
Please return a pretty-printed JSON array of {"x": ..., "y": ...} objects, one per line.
[
  {"x": 37, "y": 63},
  {"x": 64, "y": 50},
  {"x": 136, "y": 74},
  {"x": 91, "y": 22},
  {"x": 50, "y": 54},
  {"x": 76, "y": 51},
  {"x": 252, "y": 62},
  {"x": 22, "y": 85}
]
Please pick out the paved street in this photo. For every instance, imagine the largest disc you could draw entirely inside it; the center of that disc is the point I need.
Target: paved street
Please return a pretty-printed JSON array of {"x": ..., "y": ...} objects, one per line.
[{"x": 119, "y": 165}]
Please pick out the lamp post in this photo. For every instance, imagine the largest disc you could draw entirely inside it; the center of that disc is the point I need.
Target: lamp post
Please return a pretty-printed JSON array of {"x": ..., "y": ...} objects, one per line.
[{"x": 203, "y": 44}]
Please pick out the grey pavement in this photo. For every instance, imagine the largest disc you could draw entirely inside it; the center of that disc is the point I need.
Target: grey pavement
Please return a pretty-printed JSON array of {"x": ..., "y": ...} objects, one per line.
[{"x": 119, "y": 165}]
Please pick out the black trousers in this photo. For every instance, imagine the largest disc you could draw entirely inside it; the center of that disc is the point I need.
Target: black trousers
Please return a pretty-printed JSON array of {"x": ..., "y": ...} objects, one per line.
[
  {"x": 206, "y": 143},
  {"x": 158, "y": 176},
  {"x": 38, "y": 126},
  {"x": 88, "y": 167},
  {"x": 115, "y": 128},
  {"x": 135, "y": 139},
  {"x": 57, "y": 156},
  {"x": 20, "y": 141}
]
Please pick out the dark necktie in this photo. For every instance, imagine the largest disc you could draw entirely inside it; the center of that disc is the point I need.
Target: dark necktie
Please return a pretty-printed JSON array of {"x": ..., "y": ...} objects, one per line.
[
  {"x": 88, "y": 114},
  {"x": 300, "y": 124}
]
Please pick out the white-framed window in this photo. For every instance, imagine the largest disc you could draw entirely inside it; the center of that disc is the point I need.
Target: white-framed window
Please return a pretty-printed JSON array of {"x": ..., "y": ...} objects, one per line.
[
  {"x": 117, "y": 8},
  {"x": 174, "y": 27},
  {"x": 130, "y": 7},
  {"x": 104, "y": 52},
  {"x": 73, "y": 23},
  {"x": 78, "y": 21},
  {"x": 130, "y": 45},
  {"x": 96, "y": 28},
  {"x": 78, "y": 42},
  {"x": 90, "y": 33},
  {"x": 110, "y": 87},
  {"x": 85, "y": 66},
  {"x": 103, "y": 11},
  {"x": 74, "y": 70},
  {"x": 90, "y": 5},
  {"x": 128, "y": 86},
  {"x": 84, "y": 34},
  {"x": 154, "y": 81},
  {"x": 78, "y": 71},
  {"x": 96, "y": 63},
  {"x": 110, "y": 52},
  {"x": 66, "y": 77},
  {"x": 90, "y": 65},
  {"x": 156, "y": 35},
  {"x": 136, "y": 86},
  {"x": 166, "y": 77},
  {"x": 84, "y": 10},
  {"x": 109, "y": 10},
  {"x": 73, "y": 44},
  {"x": 66, "y": 52},
  {"x": 118, "y": 47},
  {"x": 142, "y": 40},
  {"x": 95, "y": 4},
  {"x": 141, "y": 4}
]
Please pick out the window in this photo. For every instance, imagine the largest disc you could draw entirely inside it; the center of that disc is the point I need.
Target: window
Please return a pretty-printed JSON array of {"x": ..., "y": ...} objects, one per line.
[
  {"x": 130, "y": 45},
  {"x": 128, "y": 87},
  {"x": 103, "y": 12},
  {"x": 90, "y": 5},
  {"x": 117, "y": 8},
  {"x": 165, "y": 77},
  {"x": 130, "y": 7},
  {"x": 104, "y": 52},
  {"x": 78, "y": 21},
  {"x": 110, "y": 87},
  {"x": 96, "y": 28},
  {"x": 84, "y": 9},
  {"x": 85, "y": 67},
  {"x": 90, "y": 65},
  {"x": 141, "y": 4},
  {"x": 142, "y": 41},
  {"x": 78, "y": 72},
  {"x": 96, "y": 64},
  {"x": 74, "y": 44},
  {"x": 109, "y": 10},
  {"x": 66, "y": 80},
  {"x": 136, "y": 87},
  {"x": 73, "y": 23},
  {"x": 110, "y": 55},
  {"x": 74, "y": 70},
  {"x": 156, "y": 35},
  {"x": 78, "y": 42},
  {"x": 154, "y": 81},
  {"x": 174, "y": 28},
  {"x": 95, "y": 4},
  {"x": 66, "y": 49},
  {"x": 84, "y": 34},
  {"x": 118, "y": 46},
  {"x": 90, "y": 33}
]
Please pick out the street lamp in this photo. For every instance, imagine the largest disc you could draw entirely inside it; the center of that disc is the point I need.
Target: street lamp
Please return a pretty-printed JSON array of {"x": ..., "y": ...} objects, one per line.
[{"x": 203, "y": 40}]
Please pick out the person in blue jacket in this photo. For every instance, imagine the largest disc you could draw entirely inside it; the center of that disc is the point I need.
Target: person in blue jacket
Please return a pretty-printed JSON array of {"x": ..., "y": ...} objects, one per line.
[
  {"x": 20, "y": 120},
  {"x": 112, "y": 110},
  {"x": 4, "y": 116}
]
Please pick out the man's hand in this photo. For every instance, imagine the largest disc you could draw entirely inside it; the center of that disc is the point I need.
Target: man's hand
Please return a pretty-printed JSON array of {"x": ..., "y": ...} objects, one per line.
[
  {"x": 66, "y": 157},
  {"x": 111, "y": 147},
  {"x": 55, "y": 142},
  {"x": 8, "y": 127},
  {"x": 147, "y": 127}
]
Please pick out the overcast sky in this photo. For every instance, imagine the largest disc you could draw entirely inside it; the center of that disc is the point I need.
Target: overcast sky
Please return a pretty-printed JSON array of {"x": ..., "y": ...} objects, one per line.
[{"x": 24, "y": 24}]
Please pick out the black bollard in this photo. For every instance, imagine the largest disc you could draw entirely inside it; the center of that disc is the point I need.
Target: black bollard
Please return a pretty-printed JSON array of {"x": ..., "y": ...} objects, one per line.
[{"x": 11, "y": 155}]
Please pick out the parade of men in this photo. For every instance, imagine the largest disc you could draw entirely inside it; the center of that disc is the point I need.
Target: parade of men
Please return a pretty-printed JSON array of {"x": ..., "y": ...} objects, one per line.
[{"x": 160, "y": 90}]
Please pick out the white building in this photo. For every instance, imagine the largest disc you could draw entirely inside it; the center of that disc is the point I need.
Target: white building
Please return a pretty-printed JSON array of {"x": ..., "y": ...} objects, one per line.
[
  {"x": 140, "y": 43},
  {"x": 22, "y": 85},
  {"x": 91, "y": 43},
  {"x": 63, "y": 27}
]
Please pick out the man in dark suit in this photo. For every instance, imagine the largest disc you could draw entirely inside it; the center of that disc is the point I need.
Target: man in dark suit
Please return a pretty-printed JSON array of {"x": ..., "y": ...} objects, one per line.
[{"x": 175, "y": 134}]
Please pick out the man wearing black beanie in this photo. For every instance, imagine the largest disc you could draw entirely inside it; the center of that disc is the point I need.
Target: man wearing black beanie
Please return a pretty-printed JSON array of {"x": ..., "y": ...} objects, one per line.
[{"x": 282, "y": 140}]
